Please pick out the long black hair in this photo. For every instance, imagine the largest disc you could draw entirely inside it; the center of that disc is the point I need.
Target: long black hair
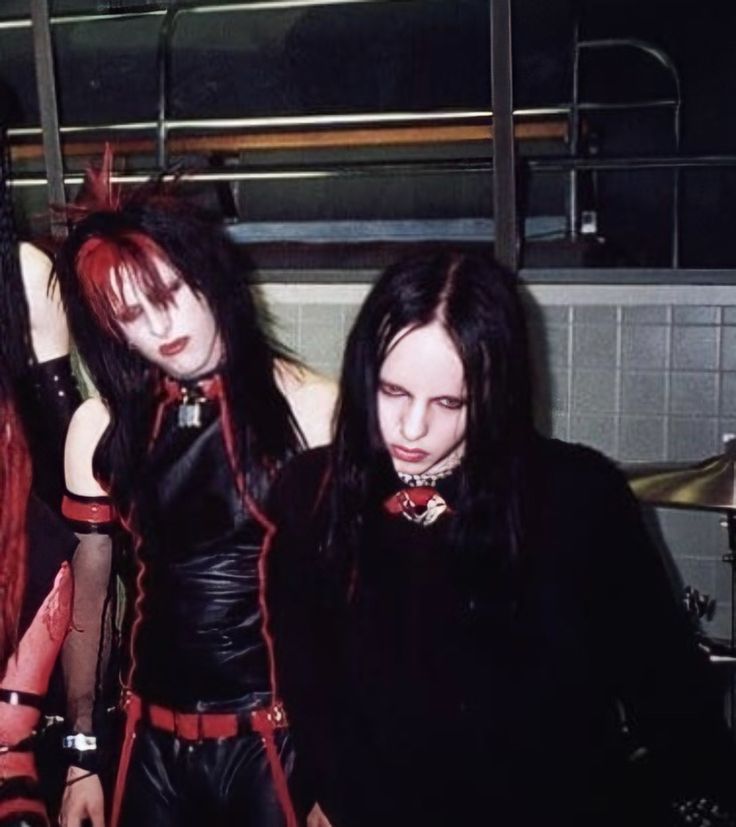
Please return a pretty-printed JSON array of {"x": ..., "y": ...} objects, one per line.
[
  {"x": 15, "y": 343},
  {"x": 478, "y": 304},
  {"x": 209, "y": 263}
]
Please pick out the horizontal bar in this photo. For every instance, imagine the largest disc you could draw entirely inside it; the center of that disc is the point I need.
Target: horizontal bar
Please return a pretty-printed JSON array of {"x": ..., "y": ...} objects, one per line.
[
  {"x": 283, "y": 121},
  {"x": 256, "y": 5},
  {"x": 36, "y": 181},
  {"x": 675, "y": 162},
  {"x": 367, "y": 118},
  {"x": 663, "y": 103},
  {"x": 322, "y": 139},
  {"x": 458, "y": 230},
  {"x": 406, "y": 167}
]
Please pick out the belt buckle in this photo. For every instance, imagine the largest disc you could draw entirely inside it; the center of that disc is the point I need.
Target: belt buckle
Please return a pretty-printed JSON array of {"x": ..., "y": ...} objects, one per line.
[{"x": 268, "y": 718}]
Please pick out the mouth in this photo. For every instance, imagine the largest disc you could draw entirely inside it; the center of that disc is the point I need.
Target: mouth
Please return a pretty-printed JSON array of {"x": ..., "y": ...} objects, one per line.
[
  {"x": 408, "y": 454},
  {"x": 174, "y": 346}
]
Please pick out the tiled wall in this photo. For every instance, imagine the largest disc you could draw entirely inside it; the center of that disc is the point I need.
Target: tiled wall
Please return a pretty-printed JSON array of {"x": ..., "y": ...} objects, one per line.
[{"x": 642, "y": 373}]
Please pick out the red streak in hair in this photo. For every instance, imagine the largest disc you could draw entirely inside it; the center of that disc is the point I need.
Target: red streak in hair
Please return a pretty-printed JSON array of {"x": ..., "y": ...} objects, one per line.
[{"x": 105, "y": 265}]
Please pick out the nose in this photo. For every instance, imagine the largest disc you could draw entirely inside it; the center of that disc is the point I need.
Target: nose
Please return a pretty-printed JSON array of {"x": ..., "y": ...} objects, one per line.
[
  {"x": 158, "y": 320},
  {"x": 414, "y": 421}
]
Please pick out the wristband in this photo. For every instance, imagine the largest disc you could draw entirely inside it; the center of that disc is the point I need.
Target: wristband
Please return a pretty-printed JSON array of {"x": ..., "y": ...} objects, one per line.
[{"x": 80, "y": 750}]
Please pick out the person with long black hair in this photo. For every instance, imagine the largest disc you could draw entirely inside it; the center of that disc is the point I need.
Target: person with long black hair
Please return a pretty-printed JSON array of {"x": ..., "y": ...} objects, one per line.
[
  {"x": 35, "y": 611},
  {"x": 35, "y": 346},
  {"x": 35, "y": 350},
  {"x": 471, "y": 625},
  {"x": 198, "y": 408}
]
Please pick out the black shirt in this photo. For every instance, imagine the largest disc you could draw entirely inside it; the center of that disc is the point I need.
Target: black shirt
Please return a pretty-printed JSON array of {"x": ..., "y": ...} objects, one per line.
[{"x": 431, "y": 697}]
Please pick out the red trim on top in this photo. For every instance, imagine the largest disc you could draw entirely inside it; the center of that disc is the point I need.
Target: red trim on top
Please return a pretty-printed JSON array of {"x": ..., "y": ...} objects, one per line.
[
  {"x": 266, "y": 728},
  {"x": 95, "y": 512}
]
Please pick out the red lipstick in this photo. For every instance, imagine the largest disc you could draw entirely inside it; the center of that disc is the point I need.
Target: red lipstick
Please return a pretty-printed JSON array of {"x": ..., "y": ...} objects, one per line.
[
  {"x": 174, "y": 346},
  {"x": 408, "y": 454}
]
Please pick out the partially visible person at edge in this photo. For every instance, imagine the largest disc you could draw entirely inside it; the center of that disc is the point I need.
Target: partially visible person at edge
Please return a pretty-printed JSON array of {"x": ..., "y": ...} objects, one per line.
[
  {"x": 34, "y": 349},
  {"x": 35, "y": 611},
  {"x": 471, "y": 624},
  {"x": 198, "y": 408}
]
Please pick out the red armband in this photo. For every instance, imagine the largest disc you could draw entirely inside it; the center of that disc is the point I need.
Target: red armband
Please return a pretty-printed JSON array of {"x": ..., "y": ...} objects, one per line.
[{"x": 89, "y": 515}]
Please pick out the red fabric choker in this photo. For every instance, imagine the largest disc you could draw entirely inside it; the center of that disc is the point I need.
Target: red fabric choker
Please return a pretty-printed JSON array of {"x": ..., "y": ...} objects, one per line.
[{"x": 419, "y": 504}]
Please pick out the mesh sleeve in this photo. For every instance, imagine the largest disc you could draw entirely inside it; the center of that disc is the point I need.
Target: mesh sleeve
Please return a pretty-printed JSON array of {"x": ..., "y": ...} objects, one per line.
[{"x": 87, "y": 648}]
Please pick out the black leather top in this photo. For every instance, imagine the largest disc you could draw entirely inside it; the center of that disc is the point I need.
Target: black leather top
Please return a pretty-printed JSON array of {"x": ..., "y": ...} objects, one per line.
[{"x": 200, "y": 644}]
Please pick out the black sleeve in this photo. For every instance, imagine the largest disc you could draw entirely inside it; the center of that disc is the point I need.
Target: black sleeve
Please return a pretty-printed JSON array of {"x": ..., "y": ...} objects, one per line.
[
  {"x": 670, "y": 697},
  {"x": 48, "y": 396},
  {"x": 303, "y": 625}
]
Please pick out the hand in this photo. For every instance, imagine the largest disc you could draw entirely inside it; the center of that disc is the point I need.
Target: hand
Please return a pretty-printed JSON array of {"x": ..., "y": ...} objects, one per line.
[
  {"x": 317, "y": 818},
  {"x": 83, "y": 799}
]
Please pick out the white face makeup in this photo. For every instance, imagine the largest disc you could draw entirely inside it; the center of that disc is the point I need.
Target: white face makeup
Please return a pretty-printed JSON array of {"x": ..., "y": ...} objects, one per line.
[
  {"x": 422, "y": 400},
  {"x": 181, "y": 337}
]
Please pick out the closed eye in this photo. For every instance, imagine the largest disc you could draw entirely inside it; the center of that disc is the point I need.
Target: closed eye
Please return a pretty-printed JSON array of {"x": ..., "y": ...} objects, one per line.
[
  {"x": 129, "y": 314},
  {"x": 452, "y": 403},
  {"x": 391, "y": 390},
  {"x": 174, "y": 287}
]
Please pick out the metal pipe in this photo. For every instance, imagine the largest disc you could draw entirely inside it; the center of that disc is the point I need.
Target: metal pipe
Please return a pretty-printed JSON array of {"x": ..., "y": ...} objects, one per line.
[
  {"x": 46, "y": 85},
  {"x": 277, "y": 122},
  {"x": 479, "y": 165},
  {"x": 669, "y": 65},
  {"x": 240, "y": 174},
  {"x": 256, "y": 5},
  {"x": 642, "y": 162},
  {"x": 572, "y": 215},
  {"x": 331, "y": 120},
  {"x": 163, "y": 64},
  {"x": 504, "y": 161}
]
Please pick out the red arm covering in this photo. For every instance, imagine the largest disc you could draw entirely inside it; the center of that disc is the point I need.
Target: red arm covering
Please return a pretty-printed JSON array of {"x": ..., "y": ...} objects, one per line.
[{"x": 28, "y": 671}]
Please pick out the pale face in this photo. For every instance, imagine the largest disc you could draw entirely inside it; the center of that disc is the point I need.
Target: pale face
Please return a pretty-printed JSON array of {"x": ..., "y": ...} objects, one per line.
[
  {"x": 422, "y": 405},
  {"x": 181, "y": 336}
]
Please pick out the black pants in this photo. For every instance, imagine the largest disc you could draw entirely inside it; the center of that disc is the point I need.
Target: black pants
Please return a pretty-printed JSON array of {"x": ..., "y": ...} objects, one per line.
[{"x": 176, "y": 783}]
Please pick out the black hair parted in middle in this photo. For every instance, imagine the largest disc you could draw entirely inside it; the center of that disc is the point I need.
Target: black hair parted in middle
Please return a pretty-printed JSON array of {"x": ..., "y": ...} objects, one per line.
[
  {"x": 478, "y": 304},
  {"x": 196, "y": 245}
]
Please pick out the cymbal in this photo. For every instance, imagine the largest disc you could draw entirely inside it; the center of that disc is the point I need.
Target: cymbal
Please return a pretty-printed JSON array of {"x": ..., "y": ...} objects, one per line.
[{"x": 709, "y": 485}]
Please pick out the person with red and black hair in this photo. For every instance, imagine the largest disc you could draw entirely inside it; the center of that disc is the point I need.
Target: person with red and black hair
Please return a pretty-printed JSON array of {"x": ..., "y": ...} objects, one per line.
[
  {"x": 35, "y": 611},
  {"x": 198, "y": 408}
]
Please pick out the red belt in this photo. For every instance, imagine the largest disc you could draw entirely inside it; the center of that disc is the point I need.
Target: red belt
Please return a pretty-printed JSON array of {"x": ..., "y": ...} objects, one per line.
[{"x": 197, "y": 726}]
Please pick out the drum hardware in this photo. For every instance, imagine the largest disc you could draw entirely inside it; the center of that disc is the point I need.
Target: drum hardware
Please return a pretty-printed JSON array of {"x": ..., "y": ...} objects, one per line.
[
  {"x": 699, "y": 606},
  {"x": 709, "y": 485}
]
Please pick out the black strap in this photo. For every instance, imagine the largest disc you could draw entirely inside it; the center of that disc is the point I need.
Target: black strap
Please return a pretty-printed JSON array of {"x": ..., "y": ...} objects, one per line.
[{"x": 15, "y": 697}]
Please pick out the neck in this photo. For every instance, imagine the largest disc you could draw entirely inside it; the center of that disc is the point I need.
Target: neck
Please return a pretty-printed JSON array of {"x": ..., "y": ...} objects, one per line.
[{"x": 431, "y": 476}]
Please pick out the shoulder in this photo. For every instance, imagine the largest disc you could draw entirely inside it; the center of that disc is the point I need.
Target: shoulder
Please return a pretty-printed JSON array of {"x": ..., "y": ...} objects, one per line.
[
  {"x": 579, "y": 473},
  {"x": 574, "y": 458},
  {"x": 311, "y": 397},
  {"x": 88, "y": 424},
  {"x": 35, "y": 264},
  {"x": 49, "y": 331}
]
